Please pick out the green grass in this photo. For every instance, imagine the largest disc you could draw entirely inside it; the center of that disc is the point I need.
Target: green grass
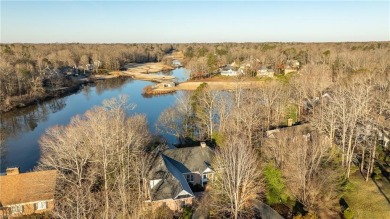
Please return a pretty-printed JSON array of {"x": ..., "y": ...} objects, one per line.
[
  {"x": 365, "y": 199},
  {"x": 284, "y": 78}
]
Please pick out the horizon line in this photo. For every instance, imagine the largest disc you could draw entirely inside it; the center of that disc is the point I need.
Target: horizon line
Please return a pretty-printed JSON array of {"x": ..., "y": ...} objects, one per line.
[{"x": 238, "y": 42}]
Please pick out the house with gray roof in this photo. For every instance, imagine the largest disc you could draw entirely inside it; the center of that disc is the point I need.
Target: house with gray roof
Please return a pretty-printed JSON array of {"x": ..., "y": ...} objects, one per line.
[
  {"x": 229, "y": 70},
  {"x": 175, "y": 172},
  {"x": 263, "y": 71}
]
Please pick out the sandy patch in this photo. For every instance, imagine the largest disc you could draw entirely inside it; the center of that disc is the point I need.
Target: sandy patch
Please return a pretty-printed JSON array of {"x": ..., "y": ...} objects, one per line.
[
  {"x": 219, "y": 85},
  {"x": 176, "y": 55},
  {"x": 147, "y": 68},
  {"x": 101, "y": 77},
  {"x": 141, "y": 72}
]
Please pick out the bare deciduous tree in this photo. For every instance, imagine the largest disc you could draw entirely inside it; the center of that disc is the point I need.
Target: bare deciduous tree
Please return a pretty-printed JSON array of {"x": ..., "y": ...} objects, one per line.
[
  {"x": 101, "y": 161},
  {"x": 238, "y": 181}
]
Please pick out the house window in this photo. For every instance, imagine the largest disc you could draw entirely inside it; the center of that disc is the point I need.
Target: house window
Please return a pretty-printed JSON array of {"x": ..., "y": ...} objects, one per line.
[
  {"x": 190, "y": 177},
  {"x": 41, "y": 205},
  {"x": 204, "y": 177},
  {"x": 16, "y": 209}
]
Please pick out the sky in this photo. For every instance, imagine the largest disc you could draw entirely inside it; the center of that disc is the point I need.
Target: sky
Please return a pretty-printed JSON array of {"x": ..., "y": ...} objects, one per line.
[{"x": 193, "y": 21}]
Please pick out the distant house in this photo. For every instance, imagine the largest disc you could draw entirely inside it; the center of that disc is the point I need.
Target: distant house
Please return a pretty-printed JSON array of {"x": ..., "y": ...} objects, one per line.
[
  {"x": 90, "y": 67},
  {"x": 176, "y": 63},
  {"x": 384, "y": 136},
  {"x": 244, "y": 68},
  {"x": 229, "y": 70},
  {"x": 303, "y": 130},
  {"x": 293, "y": 63},
  {"x": 291, "y": 66},
  {"x": 309, "y": 104},
  {"x": 26, "y": 193},
  {"x": 67, "y": 70},
  {"x": 235, "y": 65},
  {"x": 263, "y": 71},
  {"x": 169, "y": 84},
  {"x": 289, "y": 69},
  {"x": 176, "y": 172}
]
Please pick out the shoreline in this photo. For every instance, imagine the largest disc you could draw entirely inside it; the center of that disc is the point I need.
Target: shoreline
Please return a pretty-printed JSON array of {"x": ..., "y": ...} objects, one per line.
[
  {"x": 193, "y": 85},
  {"x": 218, "y": 85},
  {"x": 135, "y": 71},
  {"x": 26, "y": 100}
]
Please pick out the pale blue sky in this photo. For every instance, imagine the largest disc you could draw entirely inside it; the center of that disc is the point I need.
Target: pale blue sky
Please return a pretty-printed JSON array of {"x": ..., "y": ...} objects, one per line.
[{"x": 185, "y": 21}]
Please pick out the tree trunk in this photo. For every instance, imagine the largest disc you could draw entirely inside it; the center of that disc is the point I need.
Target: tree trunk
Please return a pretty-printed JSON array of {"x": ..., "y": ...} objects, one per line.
[{"x": 362, "y": 161}]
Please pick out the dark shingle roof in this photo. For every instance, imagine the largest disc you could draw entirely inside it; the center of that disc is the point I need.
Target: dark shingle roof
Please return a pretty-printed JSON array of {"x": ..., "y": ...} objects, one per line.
[
  {"x": 227, "y": 67},
  {"x": 191, "y": 159},
  {"x": 170, "y": 167}
]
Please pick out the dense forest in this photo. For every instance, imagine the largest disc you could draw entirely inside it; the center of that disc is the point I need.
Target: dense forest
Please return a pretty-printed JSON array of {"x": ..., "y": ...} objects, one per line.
[
  {"x": 29, "y": 71},
  {"x": 298, "y": 142}
]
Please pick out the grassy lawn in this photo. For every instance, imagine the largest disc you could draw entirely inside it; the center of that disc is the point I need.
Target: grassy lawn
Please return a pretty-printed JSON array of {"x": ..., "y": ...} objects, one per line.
[{"x": 366, "y": 200}]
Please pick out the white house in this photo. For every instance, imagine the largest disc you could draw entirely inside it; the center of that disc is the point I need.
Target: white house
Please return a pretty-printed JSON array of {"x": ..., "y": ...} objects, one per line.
[
  {"x": 228, "y": 70},
  {"x": 265, "y": 72}
]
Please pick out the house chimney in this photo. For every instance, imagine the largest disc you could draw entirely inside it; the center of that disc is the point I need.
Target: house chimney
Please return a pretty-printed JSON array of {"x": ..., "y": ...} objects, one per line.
[
  {"x": 12, "y": 171},
  {"x": 289, "y": 122},
  {"x": 203, "y": 144}
]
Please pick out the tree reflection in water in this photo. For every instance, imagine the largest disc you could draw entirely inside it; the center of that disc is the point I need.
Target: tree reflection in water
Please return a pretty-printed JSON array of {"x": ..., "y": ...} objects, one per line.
[
  {"x": 26, "y": 120},
  {"x": 115, "y": 83}
]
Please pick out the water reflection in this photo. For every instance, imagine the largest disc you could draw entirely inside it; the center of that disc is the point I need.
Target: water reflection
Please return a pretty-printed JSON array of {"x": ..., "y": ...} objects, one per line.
[
  {"x": 27, "y": 119},
  {"x": 21, "y": 129},
  {"x": 111, "y": 84}
]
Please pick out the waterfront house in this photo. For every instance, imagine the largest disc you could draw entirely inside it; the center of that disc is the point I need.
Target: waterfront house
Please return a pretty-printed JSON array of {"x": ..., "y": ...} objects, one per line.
[
  {"x": 289, "y": 69},
  {"x": 24, "y": 194},
  {"x": 178, "y": 173},
  {"x": 263, "y": 71},
  {"x": 169, "y": 84},
  {"x": 176, "y": 63},
  {"x": 293, "y": 63},
  {"x": 291, "y": 66},
  {"x": 229, "y": 70}
]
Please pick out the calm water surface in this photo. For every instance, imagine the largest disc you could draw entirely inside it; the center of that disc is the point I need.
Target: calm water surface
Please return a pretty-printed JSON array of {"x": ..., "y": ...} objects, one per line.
[{"x": 22, "y": 128}]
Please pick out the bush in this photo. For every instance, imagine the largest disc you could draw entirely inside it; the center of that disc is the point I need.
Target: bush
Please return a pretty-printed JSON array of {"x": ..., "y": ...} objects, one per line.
[
  {"x": 163, "y": 212},
  {"x": 196, "y": 187},
  {"x": 147, "y": 90},
  {"x": 187, "y": 212},
  {"x": 274, "y": 185},
  {"x": 377, "y": 174},
  {"x": 309, "y": 215},
  {"x": 218, "y": 138},
  {"x": 348, "y": 214}
]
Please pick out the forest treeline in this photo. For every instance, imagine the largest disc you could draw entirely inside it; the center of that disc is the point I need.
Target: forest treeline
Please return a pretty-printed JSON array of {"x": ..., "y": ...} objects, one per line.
[{"x": 31, "y": 70}]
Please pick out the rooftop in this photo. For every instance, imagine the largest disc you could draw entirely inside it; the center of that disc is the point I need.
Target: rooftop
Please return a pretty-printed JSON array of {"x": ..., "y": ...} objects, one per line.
[
  {"x": 18, "y": 187},
  {"x": 170, "y": 167}
]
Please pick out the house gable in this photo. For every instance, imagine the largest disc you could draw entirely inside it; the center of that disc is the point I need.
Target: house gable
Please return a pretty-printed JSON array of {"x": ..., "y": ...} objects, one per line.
[{"x": 169, "y": 174}]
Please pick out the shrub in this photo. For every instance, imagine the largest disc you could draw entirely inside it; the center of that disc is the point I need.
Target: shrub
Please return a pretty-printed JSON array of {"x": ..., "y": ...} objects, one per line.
[
  {"x": 163, "y": 212},
  {"x": 348, "y": 214},
  {"x": 147, "y": 90},
  {"x": 187, "y": 212},
  {"x": 196, "y": 187},
  {"x": 377, "y": 174},
  {"x": 274, "y": 185}
]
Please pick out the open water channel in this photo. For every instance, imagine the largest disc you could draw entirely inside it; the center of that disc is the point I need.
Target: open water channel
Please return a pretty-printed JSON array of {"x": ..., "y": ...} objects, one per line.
[{"x": 22, "y": 128}]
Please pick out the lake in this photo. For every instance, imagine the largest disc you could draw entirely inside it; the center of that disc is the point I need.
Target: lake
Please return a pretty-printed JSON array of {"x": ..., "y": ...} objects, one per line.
[{"x": 22, "y": 128}]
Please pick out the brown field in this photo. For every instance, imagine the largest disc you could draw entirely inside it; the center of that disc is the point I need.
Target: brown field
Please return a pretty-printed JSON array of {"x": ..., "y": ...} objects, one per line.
[
  {"x": 141, "y": 72},
  {"x": 219, "y": 85}
]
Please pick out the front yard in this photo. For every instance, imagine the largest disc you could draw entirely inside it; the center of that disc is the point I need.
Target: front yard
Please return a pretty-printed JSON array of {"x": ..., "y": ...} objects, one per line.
[{"x": 368, "y": 199}]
